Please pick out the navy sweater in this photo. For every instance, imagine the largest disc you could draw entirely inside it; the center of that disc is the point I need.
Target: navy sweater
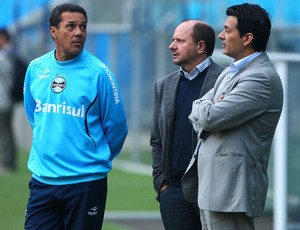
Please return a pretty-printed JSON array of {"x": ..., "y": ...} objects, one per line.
[{"x": 187, "y": 92}]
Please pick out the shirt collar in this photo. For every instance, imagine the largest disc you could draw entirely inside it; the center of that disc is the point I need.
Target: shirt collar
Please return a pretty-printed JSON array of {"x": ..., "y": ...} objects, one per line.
[
  {"x": 235, "y": 66},
  {"x": 198, "y": 69}
]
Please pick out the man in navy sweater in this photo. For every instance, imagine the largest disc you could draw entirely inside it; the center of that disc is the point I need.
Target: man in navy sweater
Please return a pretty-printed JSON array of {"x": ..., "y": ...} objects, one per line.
[{"x": 172, "y": 137}]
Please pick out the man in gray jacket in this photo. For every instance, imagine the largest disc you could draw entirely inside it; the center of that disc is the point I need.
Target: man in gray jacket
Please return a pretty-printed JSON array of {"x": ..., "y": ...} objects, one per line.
[
  {"x": 172, "y": 137},
  {"x": 241, "y": 113}
]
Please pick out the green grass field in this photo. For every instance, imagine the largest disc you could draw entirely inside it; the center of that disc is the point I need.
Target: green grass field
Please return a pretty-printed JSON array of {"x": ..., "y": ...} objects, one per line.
[{"x": 126, "y": 192}]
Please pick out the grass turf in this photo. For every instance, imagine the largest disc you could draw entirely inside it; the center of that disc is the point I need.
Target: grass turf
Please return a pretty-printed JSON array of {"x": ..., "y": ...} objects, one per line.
[{"x": 126, "y": 192}]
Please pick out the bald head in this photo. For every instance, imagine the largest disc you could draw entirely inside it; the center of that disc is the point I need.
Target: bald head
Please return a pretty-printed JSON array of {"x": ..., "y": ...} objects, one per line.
[
  {"x": 193, "y": 41},
  {"x": 200, "y": 30}
]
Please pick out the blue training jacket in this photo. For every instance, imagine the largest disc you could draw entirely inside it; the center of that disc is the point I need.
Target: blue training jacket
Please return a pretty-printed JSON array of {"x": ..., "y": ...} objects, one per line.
[{"x": 77, "y": 118}]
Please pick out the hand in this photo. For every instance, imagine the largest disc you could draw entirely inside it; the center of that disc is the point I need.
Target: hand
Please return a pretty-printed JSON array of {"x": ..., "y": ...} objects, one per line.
[
  {"x": 220, "y": 98},
  {"x": 163, "y": 187}
]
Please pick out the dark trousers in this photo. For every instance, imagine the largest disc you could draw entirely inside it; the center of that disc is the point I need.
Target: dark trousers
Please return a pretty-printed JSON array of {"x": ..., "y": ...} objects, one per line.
[
  {"x": 66, "y": 207},
  {"x": 176, "y": 212},
  {"x": 7, "y": 142}
]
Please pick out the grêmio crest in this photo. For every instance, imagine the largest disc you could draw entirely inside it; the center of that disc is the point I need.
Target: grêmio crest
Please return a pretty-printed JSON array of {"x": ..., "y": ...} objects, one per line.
[{"x": 58, "y": 84}]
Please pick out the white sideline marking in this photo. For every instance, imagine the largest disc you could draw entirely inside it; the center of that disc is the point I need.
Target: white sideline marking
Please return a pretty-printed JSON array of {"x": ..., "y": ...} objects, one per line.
[
  {"x": 127, "y": 215},
  {"x": 134, "y": 167}
]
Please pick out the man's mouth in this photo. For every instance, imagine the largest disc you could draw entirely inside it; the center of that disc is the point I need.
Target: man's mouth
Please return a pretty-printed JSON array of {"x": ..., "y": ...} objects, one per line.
[{"x": 77, "y": 42}]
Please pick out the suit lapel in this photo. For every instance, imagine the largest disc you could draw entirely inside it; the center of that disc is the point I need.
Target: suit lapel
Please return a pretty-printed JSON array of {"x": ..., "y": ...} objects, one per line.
[
  {"x": 170, "y": 94},
  {"x": 212, "y": 75},
  {"x": 224, "y": 85}
]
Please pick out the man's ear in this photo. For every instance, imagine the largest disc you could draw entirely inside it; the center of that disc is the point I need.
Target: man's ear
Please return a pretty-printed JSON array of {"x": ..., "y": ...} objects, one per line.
[
  {"x": 53, "y": 31},
  {"x": 248, "y": 38},
  {"x": 201, "y": 46}
]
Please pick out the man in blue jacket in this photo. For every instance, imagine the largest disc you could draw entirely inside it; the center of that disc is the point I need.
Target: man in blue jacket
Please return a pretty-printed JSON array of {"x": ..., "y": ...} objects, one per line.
[{"x": 76, "y": 112}]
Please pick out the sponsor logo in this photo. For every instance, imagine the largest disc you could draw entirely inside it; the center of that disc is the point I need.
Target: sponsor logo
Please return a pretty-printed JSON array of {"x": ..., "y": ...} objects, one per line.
[
  {"x": 93, "y": 211},
  {"x": 58, "y": 84},
  {"x": 45, "y": 74},
  {"x": 62, "y": 108}
]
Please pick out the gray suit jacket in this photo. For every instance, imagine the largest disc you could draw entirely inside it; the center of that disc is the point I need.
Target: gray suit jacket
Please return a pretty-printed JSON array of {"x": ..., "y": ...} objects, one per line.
[
  {"x": 165, "y": 90},
  {"x": 233, "y": 159}
]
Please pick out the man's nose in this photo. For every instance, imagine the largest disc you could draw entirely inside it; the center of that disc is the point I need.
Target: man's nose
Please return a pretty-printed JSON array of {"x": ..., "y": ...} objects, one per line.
[
  {"x": 78, "y": 30},
  {"x": 172, "y": 46},
  {"x": 221, "y": 35}
]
